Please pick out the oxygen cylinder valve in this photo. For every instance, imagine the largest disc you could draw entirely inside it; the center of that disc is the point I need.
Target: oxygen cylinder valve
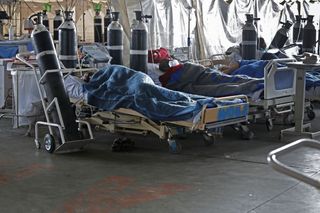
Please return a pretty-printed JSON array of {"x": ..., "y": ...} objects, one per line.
[{"x": 141, "y": 17}]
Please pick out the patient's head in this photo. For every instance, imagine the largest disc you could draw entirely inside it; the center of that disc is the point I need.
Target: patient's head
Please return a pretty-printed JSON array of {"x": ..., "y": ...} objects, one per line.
[{"x": 165, "y": 64}]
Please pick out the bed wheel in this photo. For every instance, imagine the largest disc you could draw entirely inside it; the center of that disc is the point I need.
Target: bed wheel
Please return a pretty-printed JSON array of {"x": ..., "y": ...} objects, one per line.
[
  {"x": 289, "y": 119},
  {"x": 174, "y": 147},
  {"x": 122, "y": 145},
  {"x": 209, "y": 139},
  {"x": 269, "y": 124},
  {"x": 310, "y": 113},
  {"x": 49, "y": 143},
  {"x": 247, "y": 135}
]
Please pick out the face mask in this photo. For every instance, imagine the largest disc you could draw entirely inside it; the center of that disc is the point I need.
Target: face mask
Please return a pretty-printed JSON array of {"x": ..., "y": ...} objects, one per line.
[{"x": 173, "y": 63}]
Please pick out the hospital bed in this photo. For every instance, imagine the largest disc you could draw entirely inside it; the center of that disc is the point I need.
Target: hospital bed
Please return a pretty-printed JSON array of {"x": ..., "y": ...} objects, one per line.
[
  {"x": 208, "y": 122},
  {"x": 277, "y": 98},
  {"x": 125, "y": 120}
]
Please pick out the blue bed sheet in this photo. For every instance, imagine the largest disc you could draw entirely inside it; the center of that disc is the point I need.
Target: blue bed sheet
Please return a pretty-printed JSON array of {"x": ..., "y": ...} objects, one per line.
[
  {"x": 117, "y": 86},
  {"x": 255, "y": 69},
  {"x": 11, "y": 51}
]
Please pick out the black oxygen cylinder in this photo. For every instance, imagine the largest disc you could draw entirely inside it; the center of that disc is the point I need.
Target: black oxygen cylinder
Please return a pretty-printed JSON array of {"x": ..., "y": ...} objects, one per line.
[
  {"x": 107, "y": 21},
  {"x": 53, "y": 82},
  {"x": 57, "y": 21},
  {"x": 139, "y": 45},
  {"x": 45, "y": 20},
  {"x": 297, "y": 30},
  {"x": 97, "y": 27},
  {"x": 281, "y": 36},
  {"x": 68, "y": 42},
  {"x": 309, "y": 36},
  {"x": 249, "y": 39},
  {"x": 115, "y": 43}
]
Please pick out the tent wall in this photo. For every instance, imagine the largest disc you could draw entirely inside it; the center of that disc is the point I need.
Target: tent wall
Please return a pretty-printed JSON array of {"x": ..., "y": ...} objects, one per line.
[{"x": 215, "y": 24}]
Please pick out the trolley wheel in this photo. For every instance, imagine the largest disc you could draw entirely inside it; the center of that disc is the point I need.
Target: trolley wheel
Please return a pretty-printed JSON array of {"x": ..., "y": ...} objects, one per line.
[
  {"x": 209, "y": 139},
  {"x": 269, "y": 124},
  {"x": 311, "y": 114},
  {"x": 49, "y": 143},
  {"x": 174, "y": 146}
]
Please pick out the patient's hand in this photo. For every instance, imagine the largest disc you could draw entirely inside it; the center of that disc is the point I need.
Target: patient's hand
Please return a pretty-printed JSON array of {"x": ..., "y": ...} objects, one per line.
[
  {"x": 229, "y": 68},
  {"x": 225, "y": 69}
]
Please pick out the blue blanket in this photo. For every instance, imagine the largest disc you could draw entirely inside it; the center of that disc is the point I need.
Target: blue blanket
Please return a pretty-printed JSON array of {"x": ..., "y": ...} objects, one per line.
[
  {"x": 11, "y": 51},
  {"x": 116, "y": 87},
  {"x": 196, "y": 79},
  {"x": 255, "y": 69}
]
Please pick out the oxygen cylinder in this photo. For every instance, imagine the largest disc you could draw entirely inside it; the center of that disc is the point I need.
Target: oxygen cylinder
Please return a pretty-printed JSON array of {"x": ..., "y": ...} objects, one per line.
[
  {"x": 281, "y": 36},
  {"x": 297, "y": 30},
  {"x": 249, "y": 39},
  {"x": 309, "y": 36},
  {"x": 139, "y": 45},
  {"x": 115, "y": 43},
  {"x": 97, "y": 27},
  {"x": 107, "y": 21},
  {"x": 68, "y": 41},
  {"x": 57, "y": 21},
  {"x": 45, "y": 20},
  {"x": 53, "y": 82}
]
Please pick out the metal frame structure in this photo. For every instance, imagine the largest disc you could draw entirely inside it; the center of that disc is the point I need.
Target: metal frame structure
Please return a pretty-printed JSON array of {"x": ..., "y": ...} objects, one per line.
[
  {"x": 289, "y": 171},
  {"x": 64, "y": 146}
]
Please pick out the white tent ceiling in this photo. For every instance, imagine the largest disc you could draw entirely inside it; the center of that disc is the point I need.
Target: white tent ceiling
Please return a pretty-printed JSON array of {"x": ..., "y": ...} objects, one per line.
[{"x": 215, "y": 25}]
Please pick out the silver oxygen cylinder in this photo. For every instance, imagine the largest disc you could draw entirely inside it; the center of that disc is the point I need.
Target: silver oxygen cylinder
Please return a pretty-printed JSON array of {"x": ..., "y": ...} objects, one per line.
[
  {"x": 139, "y": 45},
  {"x": 107, "y": 21},
  {"x": 297, "y": 29},
  {"x": 281, "y": 36},
  {"x": 309, "y": 36},
  {"x": 57, "y": 21},
  {"x": 53, "y": 82},
  {"x": 249, "y": 39},
  {"x": 68, "y": 41},
  {"x": 45, "y": 20},
  {"x": 97, "y": 27},
  {"x": 115, "y": 40}
]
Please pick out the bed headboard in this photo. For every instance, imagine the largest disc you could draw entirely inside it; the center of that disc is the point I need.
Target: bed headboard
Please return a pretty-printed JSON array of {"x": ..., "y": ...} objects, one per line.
[{"x": 279, "y": 81}]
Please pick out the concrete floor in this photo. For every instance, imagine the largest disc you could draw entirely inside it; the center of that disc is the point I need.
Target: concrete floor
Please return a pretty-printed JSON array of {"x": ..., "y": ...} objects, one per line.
[{"x": 230, "y": 177}]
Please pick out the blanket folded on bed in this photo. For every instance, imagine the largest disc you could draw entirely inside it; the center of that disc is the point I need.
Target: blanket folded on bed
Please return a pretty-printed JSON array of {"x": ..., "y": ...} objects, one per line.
[{"x": 116, "y": 87}]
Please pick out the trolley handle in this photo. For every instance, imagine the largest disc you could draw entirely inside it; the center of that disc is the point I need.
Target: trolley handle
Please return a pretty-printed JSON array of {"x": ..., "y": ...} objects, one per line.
[
  {"x": 282, "y": 168},
  {"x": 21, "y": 57}
]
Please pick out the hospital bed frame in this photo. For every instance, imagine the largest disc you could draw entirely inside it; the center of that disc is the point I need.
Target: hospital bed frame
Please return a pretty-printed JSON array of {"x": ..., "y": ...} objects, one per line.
[
  {"x": 277, "y": 102},
  {"x": 207, "y": 122}
]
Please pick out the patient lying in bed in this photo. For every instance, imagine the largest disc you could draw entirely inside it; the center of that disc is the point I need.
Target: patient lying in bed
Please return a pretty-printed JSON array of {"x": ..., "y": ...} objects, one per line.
[
  {"x": 117, "y": 87},
  {"x": 197, "y": 79},
  {"x": 243, "y": 77}
]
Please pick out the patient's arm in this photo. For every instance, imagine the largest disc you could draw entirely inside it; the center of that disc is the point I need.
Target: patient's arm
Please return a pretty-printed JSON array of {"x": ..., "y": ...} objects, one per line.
[{"x": 230, "y": 67}]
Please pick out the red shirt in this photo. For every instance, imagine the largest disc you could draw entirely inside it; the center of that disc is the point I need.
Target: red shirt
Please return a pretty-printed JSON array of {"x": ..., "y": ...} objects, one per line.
[{"x": 164, "y": 79}]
